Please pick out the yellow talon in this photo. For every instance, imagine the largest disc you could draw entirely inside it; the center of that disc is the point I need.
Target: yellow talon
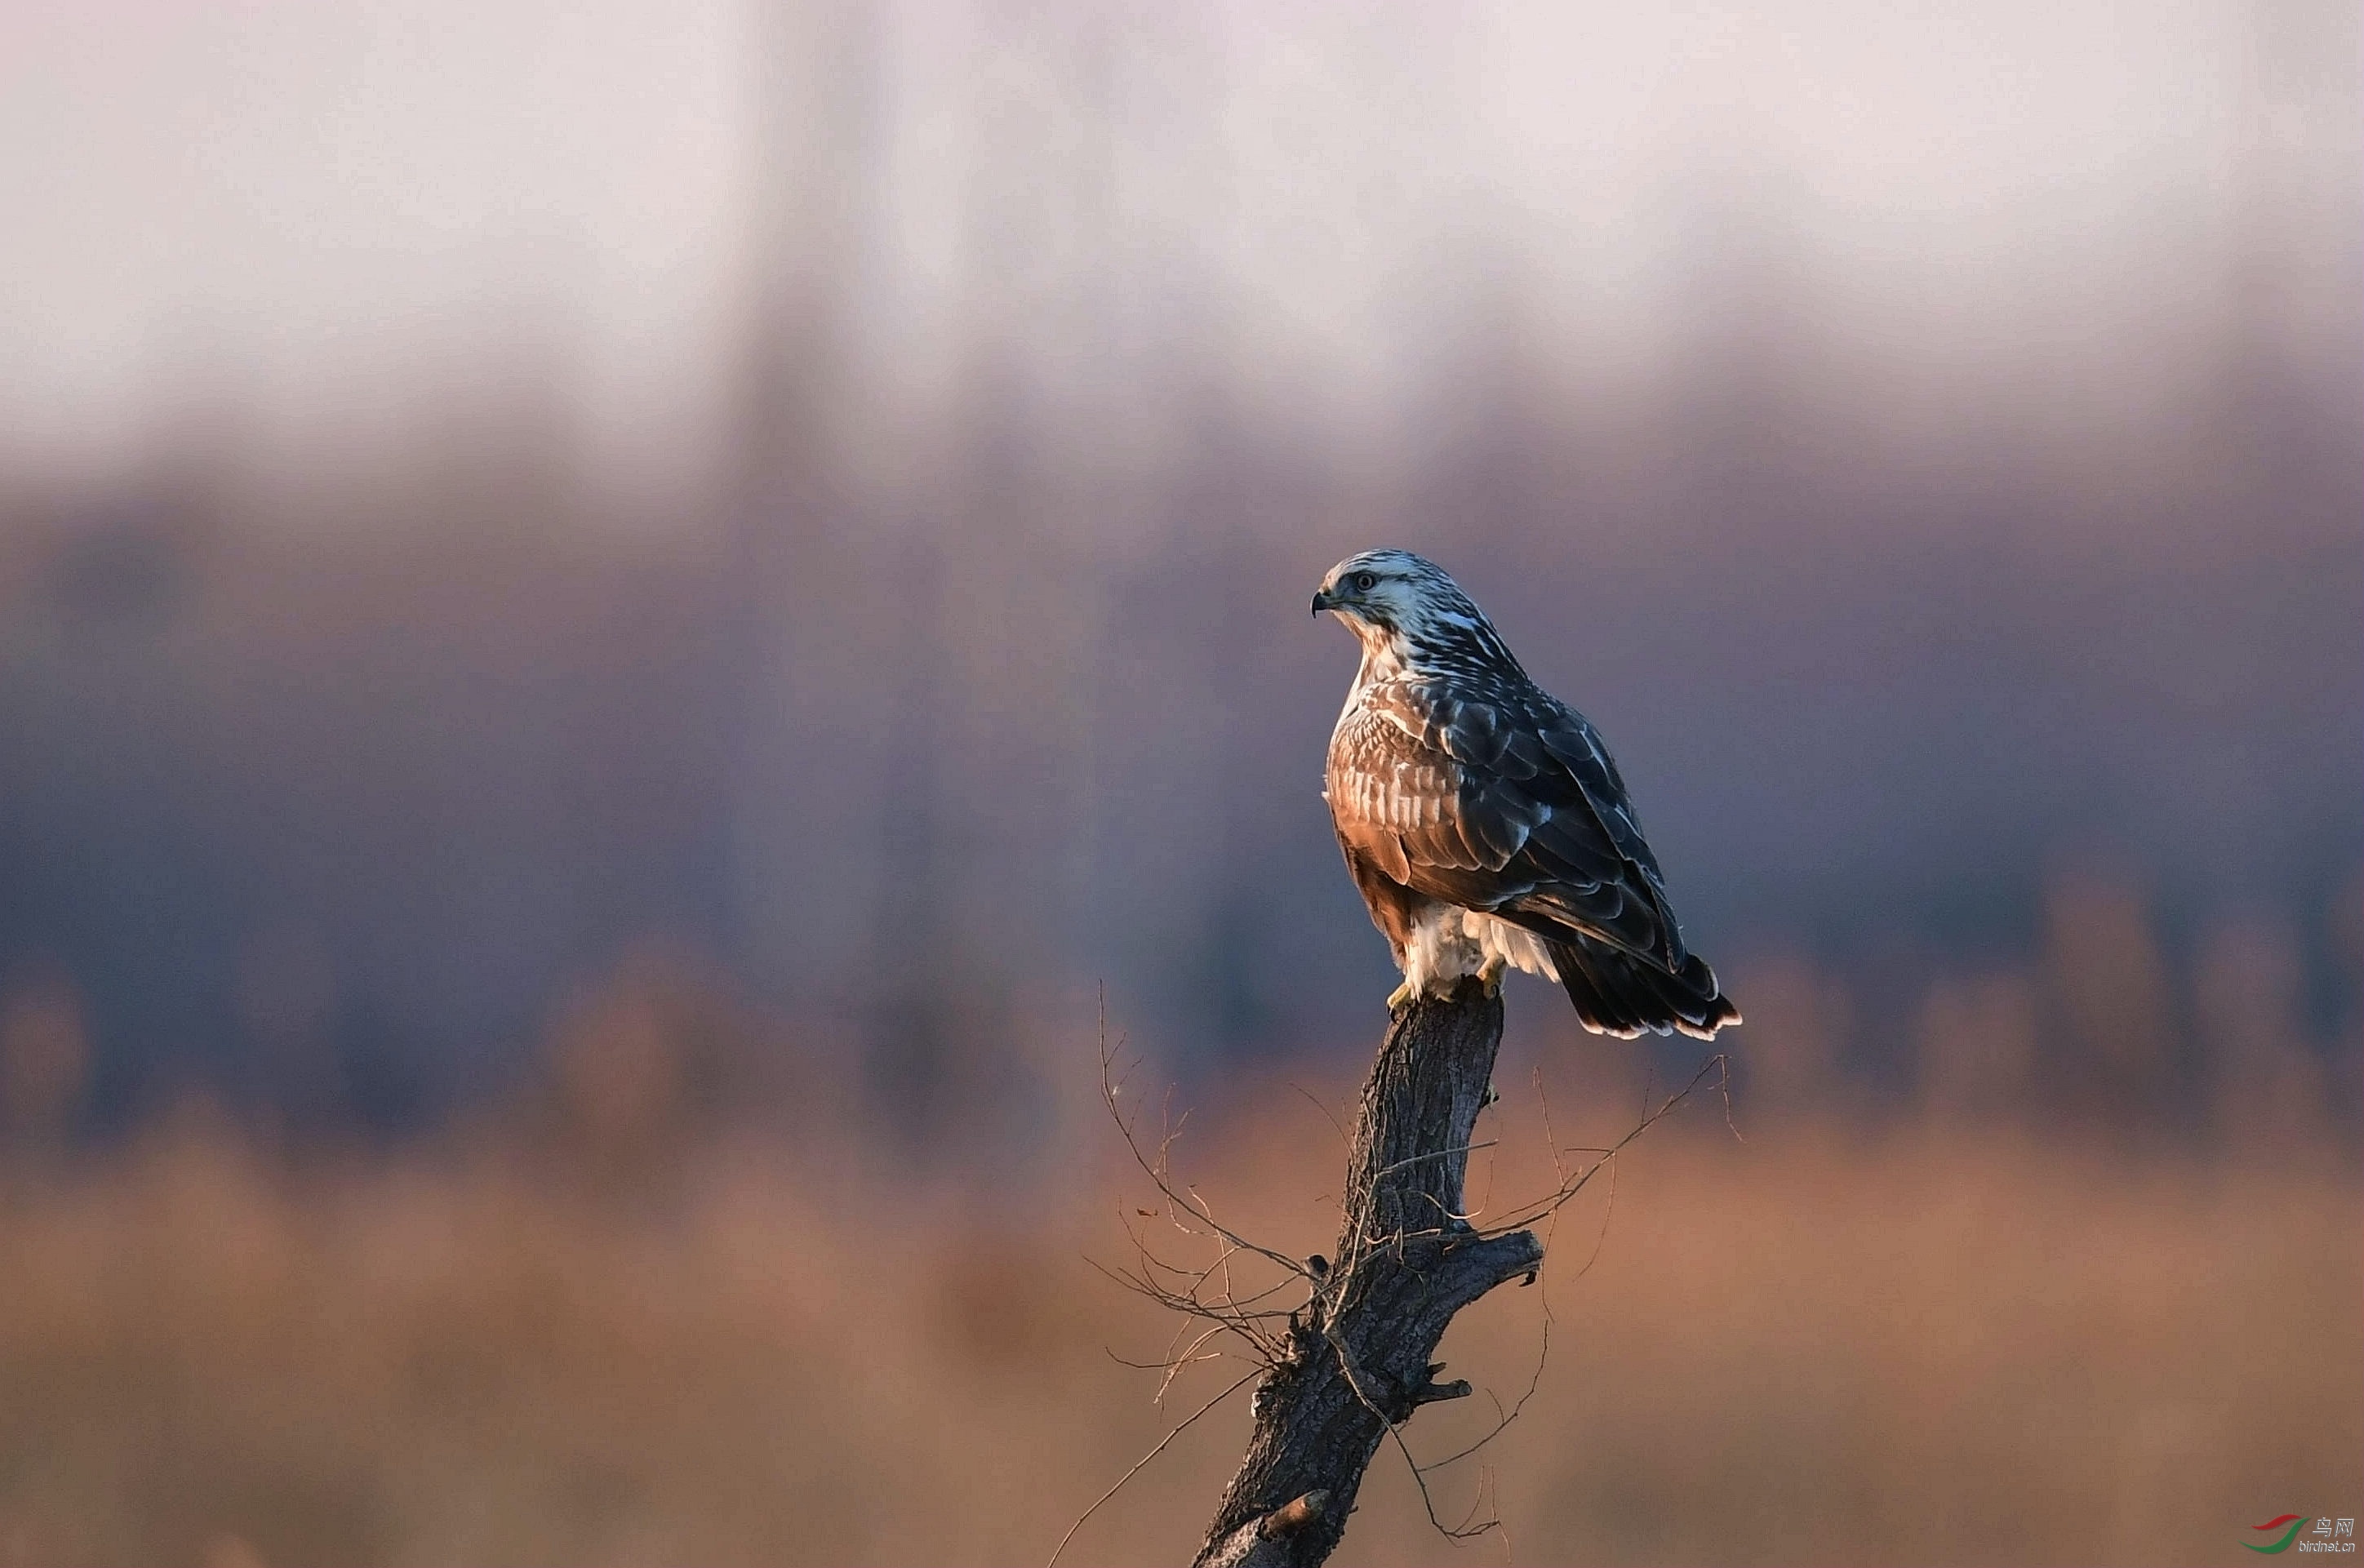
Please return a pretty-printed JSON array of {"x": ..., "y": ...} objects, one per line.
[
  {"x": 1400, "y": 996},
  {"x": 1490, "y": 976}
]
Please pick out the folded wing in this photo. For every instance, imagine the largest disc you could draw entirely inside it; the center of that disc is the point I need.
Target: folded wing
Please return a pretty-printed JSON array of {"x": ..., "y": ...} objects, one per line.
[{"x": 1504, "y": 800}]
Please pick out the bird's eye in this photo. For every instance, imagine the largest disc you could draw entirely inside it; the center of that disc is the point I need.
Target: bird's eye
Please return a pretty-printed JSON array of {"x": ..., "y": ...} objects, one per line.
[{"x": 1366, "y": 581}]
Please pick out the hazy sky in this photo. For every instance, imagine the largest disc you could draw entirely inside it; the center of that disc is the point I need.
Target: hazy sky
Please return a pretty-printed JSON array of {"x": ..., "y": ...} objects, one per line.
[{"x": 330, "y": 208}]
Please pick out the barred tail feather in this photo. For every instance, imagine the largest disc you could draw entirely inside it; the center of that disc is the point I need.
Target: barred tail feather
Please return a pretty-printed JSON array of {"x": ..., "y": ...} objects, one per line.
[{"x": 1616, "y": 993}]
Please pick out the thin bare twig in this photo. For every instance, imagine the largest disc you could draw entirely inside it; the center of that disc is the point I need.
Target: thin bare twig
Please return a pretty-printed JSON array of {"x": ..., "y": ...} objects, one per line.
[
  {"x": 1175, "y": 1198},
  {"x": 1506, "y": 1418},
  {"x": 1210, "y": 1292},
  {"x": 1325, "y": 1110},
  {"x": 1144, "y": 1462},
  {"x": 1432, "y": 1154},
  {"x": 1528, "y": 1214},
  {"x": 1394, "y": 1429}
]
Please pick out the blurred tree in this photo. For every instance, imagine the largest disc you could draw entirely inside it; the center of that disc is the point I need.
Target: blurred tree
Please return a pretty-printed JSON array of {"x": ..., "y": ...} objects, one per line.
[{"x": 45, "y": 1056}]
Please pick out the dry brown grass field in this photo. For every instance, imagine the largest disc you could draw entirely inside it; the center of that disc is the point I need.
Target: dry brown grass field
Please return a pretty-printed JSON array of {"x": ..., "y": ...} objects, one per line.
[{"x": 1892, "y": 1340}]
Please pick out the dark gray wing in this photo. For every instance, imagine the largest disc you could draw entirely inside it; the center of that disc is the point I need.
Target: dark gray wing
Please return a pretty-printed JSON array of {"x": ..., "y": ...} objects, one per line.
[{"x": 1498, "y": 796}]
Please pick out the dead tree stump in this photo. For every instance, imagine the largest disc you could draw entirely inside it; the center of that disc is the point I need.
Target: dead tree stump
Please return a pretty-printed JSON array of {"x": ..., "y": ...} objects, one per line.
[{"x": 1360, "y": 1353}]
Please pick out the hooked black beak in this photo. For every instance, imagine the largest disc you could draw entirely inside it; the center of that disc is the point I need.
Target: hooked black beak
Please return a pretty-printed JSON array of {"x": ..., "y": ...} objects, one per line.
[{"x": 1322, "y": 600}]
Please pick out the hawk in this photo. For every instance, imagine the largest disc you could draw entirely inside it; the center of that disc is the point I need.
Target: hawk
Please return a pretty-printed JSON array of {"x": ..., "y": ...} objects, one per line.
[{"x": 1484, "y": 821}]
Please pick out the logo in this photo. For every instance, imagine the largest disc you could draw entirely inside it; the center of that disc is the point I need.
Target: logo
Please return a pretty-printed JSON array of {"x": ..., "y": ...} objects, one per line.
[
  {"x": 2295, "y": 1521},
  {"x": 2326, "y": 1535}
]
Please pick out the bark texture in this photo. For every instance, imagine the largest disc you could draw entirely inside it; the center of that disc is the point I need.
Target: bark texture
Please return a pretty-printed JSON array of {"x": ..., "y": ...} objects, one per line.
[{"x": 1360, "y": 1354}]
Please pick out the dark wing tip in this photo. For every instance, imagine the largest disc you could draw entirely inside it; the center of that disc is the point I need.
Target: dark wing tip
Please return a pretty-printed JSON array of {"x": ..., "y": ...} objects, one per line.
[{"x": 1617, "y": 994}]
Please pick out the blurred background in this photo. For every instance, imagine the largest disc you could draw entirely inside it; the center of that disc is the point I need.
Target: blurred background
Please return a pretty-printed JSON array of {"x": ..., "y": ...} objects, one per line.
[{"x": 619, "y": 622}]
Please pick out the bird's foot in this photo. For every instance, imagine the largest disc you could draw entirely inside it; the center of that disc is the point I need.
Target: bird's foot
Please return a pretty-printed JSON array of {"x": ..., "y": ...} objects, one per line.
[
  {"x": 1401, "y": 995},
  {"x": 1490, "y": 976}
]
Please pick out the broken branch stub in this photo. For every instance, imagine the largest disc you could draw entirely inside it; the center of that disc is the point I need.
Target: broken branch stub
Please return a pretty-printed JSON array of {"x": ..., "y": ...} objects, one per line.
[{"x": 1358, "y": 1360}]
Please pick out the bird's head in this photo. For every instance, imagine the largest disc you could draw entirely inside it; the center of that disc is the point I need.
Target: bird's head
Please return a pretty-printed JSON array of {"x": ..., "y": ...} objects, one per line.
[
  {"x": 1398, "y": 602},
  {"x": 1390, "y": 589}
]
